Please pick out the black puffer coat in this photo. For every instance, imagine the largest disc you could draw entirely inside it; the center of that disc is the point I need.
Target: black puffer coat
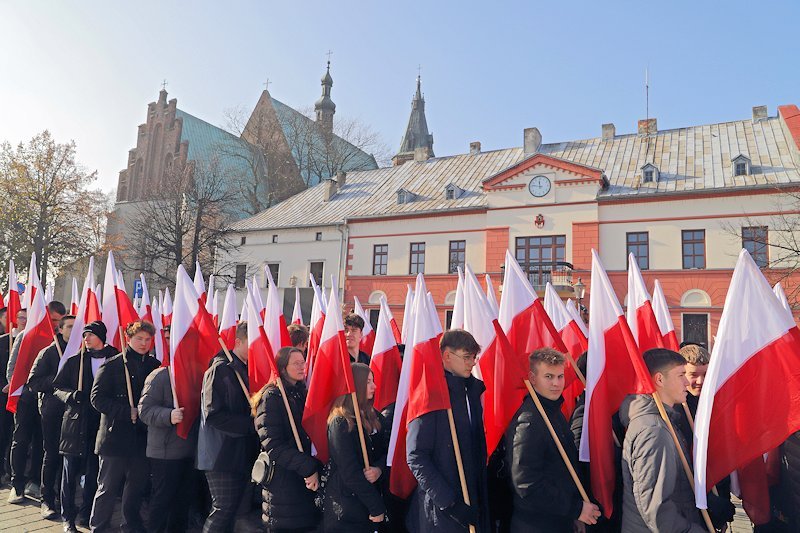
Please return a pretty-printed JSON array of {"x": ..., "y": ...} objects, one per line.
[
  {"x": 790, "y": 479},
  {"x": 287, "y": 503}
]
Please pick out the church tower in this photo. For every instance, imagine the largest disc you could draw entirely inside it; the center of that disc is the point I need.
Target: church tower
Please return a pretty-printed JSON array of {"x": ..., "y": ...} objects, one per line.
[
  {"x": 324, "y": 107},
  {"x": 417, "y": 142}
]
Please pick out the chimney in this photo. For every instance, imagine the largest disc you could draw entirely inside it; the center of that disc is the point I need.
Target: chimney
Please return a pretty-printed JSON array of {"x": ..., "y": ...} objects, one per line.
[
  {"x": 341, "y": 176},
  {"x": 759, "y": 113},
  {"x": 532, "y": 140},
  {"x": 609, "y": 131},
  {"x": 329, "y": 191},
  {"x": 474, "y": 148},
  {"x": 647, "y": 127},
  {"x": 421, "y": 154}
]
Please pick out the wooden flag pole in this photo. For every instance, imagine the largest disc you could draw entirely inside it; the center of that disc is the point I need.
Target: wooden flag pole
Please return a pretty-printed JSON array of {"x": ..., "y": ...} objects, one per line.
[
  {"x": 289, "y": 413},
  {"x": 127, "y": 374},
  {"x": 560, "y": 447},
  {"x": 58, "y": 346},
  {"x": 459, "y": 463},
  {"x": 684, "y": 462},
  {"x": 360, "y": 425},
  {"x": 80, "y": 368},
  {"x": 238, "y": 377}
]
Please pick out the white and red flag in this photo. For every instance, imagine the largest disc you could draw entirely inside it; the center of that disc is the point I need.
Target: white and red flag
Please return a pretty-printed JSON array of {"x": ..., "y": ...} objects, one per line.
[
  {"x": 75, "y": 299},
  {"x": 297, "y": 312},
  {"x": 166, "y": 309},
  {"x": 641, "y": 318},
  {"x": 145, "y": 307},
  {"x": 227, "y": 323},
  {"x": 12, "y": 301},
  {"x": 385, "y": 360},
  {"x": 614, "y": 369},
  {"x": 368, "y": 333},
  {"x": 407, "y": 320},
  {"x": 664, "y": 319},
  {"x": 478, "y": 316},
  {"x": 781, "y": 296},
  {"x": 422, "y": 388},
  {"x": 491, "y": 296},
  {"x": 193, "y": 343},
  {"x": 261, "y": 367},
  {"x": 274, "y": 321},
  {"x": 37, "y": 336},
  {"x": 110, "y": 312},
  {"x": 199, "y": 282},
  {"x": 572, "y": 309},
  {"x": 34, "y": 284},
  {"x": 87, "y": 312},
  {"x": 332, "y": 377},
  {"x": 457, "y": 319},
  {"x": 751, "y": 395},
  {"x": 315, "y": 327},
  {"x": 159, "y": 341},
  {"x": 210, "y": 296}
]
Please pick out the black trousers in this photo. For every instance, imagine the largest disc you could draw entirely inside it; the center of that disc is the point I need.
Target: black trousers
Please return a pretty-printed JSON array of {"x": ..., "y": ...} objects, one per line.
[
  {"x": 227, "y": 490},
  {"x": 6, "y": 431},
  {"x": 129, "y": 474},
  {"x": 51, "y": 460},
  {"x": 74, "y": 467},
  {"x": 26, "y": 443},
  {"x": 171, "y": 494}
]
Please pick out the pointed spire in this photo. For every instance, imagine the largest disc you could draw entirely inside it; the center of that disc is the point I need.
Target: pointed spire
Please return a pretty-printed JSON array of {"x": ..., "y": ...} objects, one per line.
[
  {"x": 416, "y": 139},
  {"x": 324, "y": 107}
]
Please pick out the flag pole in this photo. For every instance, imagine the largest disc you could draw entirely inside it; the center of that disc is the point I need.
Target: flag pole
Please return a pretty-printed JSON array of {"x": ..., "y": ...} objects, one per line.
[
  {"x": 58, "y": 346},
  {"x": 238, "y": 377},
  {"x": 567, "y": 462},
  {"x": 80, "y": 368},
  {"x": 684, "y": 462},
  {"x": 127, "y": 374},
  {"x": 459, "y": 463},
  {"x": 357, "y": 410}
]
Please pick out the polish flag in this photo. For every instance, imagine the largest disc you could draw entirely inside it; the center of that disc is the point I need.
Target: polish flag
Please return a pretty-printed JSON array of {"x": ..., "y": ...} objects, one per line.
[
  {"x": 73, "y": 305},
  {"x": 86, "y": 313},
  {"x": 210, "y": 294},
  {"x": 34, "y": 283},
  {"x": 332, "y": 378},
  {"x": 614, "y": 369},
  {"x": 751, "y": 395},
  {"x": 126, "y": 311},
  {"x": 166, "y": 309},
  {"x": 572, "y": 309},
  {"x": 640, "y": 315},
  {"x": 227, "y": 324},
  {"x": 37, "y": 336},
  {"x": 437, "y": 324},
  {"x": 257, "y": 300},
  {"x": 261, "y": 367},
  {"x": 422, "y": 388},
  {"x": 145, "y": 308},
  {"x": 385, "y": 361},
  {"x": 368, "y": 333},
  {"x": 199, "y": 282},
  {"x": 491, "y": 296},
  {"x": 315, "y": 326},
  {"x": 664, "y": 319},
  {"x": 478, "y": 316},
  {"x": 297, "y": 312},
  {"x": 407, "y": 321},
  {"x": 274, "y": 321},
  {"x": 781, "y": 295},
  {"x": 457, "y": 320},
  {"x": 48, "y": 293},
  {"x": 159, "y": 340},
  {"x": 110, "y": 309},
  {"x": 193, "y": 343},
  {"x": 12, "y": 302},
  {"x": 98, "y": 293}
]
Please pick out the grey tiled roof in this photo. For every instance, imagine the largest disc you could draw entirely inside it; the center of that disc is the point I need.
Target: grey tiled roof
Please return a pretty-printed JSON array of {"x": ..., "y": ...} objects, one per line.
[{"x": 696, "y": 158}]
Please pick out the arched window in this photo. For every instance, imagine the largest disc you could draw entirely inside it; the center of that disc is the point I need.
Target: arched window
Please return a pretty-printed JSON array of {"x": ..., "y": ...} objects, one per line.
[
  {"x": 695, "y": 298},
  {"x": 375, "y": 297}
]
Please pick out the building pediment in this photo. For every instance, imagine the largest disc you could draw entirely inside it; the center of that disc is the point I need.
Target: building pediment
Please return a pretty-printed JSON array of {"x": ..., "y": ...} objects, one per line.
[{"x": 570, "y": 173}]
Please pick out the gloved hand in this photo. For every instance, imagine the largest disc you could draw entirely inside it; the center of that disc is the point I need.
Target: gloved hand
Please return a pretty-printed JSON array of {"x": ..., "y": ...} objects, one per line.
[
  {"x": 463, "y": 514},
  {"x": 720, "y": 510}
]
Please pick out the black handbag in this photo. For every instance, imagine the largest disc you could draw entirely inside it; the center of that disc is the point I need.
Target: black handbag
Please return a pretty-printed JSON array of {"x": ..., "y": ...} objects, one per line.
[{"x": 263, "y": 469}]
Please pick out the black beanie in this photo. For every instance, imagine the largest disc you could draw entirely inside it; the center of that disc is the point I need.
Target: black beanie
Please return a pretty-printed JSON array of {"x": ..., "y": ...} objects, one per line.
[{"x": 96, "y": 328}]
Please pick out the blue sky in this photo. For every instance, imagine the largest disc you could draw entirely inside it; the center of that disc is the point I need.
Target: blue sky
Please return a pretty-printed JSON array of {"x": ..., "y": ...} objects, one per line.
[{"x": 87, "y": 69}]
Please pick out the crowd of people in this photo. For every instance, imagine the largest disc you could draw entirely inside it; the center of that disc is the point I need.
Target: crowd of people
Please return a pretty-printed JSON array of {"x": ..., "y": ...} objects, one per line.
[{"x": 99, "y": 426}]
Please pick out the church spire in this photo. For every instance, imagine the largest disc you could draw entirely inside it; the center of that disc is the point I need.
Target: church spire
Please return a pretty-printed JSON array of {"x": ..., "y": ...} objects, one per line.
[
  {"x": 324, "y": 107},
  {"x": 416, "y": 136}
]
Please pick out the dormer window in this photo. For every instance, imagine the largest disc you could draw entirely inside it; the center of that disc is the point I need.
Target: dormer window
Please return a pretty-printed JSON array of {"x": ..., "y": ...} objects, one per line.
[
  {"x": 452, "y": 191},
  {"x": 741, "y": 165},
  {"x": 404, "y": 196},
  {"x": 649, "y": 173}
]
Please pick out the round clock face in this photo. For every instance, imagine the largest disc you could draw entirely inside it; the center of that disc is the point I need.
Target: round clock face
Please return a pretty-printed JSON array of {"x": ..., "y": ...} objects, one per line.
[{"x": 539, "y": 186}]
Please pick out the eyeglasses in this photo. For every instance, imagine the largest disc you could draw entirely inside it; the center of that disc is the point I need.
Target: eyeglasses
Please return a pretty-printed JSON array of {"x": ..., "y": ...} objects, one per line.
[{"x": 468, "y": 358}]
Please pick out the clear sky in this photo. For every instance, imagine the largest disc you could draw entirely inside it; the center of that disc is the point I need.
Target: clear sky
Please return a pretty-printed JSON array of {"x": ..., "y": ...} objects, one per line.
[{"x": 87, "y": 69}]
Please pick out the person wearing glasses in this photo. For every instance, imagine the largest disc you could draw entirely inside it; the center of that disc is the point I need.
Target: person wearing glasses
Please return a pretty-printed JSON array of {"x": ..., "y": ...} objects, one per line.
[{"x": 437, "y": 503}]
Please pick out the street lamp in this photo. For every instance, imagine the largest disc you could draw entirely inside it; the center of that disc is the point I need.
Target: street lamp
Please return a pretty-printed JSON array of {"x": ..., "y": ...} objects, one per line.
[{"x": 580, "y": 290}]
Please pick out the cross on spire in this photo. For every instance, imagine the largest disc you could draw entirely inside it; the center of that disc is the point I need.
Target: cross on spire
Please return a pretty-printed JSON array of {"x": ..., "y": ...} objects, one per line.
[
  {"x": 419, "y": 71},
  {"x": 329, "y": 54},
  {"x": 164, "y": 85},
  {"x": 266, "y": 84}
]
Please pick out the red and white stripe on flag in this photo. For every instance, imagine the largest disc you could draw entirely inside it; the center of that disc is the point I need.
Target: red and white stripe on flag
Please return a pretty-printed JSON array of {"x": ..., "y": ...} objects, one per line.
[
  {"x": 75, "y": 298},
  {"x": 12, "y": 302},
  {"x": 664, "y": 319},
  {"x": 641, "y": 318},
  {"x": 227, "y": 323},
  {"x": 260, "y": 355},
  {"x": 87, "y": 305},
  {"x": 368, "y": 333},
  {"x": 166, "y": 309},
  {"x": 751, "y": 395},
  {"x": 385, "y": 361},
  {"x": 37, "y": 336},
  {"x": 614, "y": 369},
  {"x": 274, "y": 321},
  {"x": 315, "y": 327},
  {"x": 297, "y": 312}
]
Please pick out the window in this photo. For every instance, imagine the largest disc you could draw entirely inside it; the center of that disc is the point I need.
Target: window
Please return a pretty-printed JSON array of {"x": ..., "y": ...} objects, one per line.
[
  {"x": 241, "y": 274},
  {"x": 417, "y": 258},
  {"x": 741, "y": 169},
  {"x": 694, "y": 248},
  {"x": 648, "y": 176},
  {"x": 638, "y": 244},
  {"x": 449, "y": 193},
  {"x": 649, "y": 173},
  {"x": 274, "y": 270},
  {"x": 695, "y": 328},
  {"x": 318, "y": 236},
  {"x": 373, "y": 318},
  {"x": 538, "y": 256},
  {"x": 457, "y": 256},
  {"x": 274, "y": 238},
  {"x": 244, "y": 241},
  {"x": 380, "y": 259},
  {"x": 316, "y": 269},
  {"x": 448, "y": 319},
  {"x": 756, "y": 241}
]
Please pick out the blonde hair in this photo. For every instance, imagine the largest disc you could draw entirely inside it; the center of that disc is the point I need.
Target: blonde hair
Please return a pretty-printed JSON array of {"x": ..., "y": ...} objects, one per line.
[{"x": 695, "y": 355}]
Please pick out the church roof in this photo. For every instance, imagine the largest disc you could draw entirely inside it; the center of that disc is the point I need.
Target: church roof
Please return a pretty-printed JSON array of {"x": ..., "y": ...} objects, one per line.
[{"x": 416, "y": 135}]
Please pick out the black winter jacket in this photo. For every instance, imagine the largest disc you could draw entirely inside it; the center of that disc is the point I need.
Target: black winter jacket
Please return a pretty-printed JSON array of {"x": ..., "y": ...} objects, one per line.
[
  {"x": 790, "y": 479},
  {"x": 545, "y": 496},
  {"x": 81, "y": 421},
  {"x": 155, "y": 410},
  {"x": 227, "y": 441},
  {"x": 349, "y": 498},
  {"x": 430, "y": 456},
  {"x": 118, "y": 436},
  {"x": 287, "y": 503},
  {"x": 40, "y": 379}
]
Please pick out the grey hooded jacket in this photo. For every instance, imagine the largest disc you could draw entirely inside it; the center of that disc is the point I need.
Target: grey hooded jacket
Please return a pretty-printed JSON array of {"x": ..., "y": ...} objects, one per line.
[{"x": 657, "y": 496}]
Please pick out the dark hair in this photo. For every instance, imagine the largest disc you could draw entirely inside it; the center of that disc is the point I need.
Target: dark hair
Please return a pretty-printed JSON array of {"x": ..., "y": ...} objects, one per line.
[
  {"x": 57, "y": 307},
  {"x": 64, "y": 319},
  {"x": 662, "y": 360},
  {"x": 343, "y": 405},
  {"x": 548, "y": 356},
  {"x": 281, "y": 361},
  {"x": 581, "y": 362},
  {"x": 458, "y": 339},
  {"x": 354, "y": 321},
  {"x": 140, "y": 325},
  {"x": 241, "y": 331},
  {"x": 3, "y": 310},
  {"x": 298, "y": 334}
]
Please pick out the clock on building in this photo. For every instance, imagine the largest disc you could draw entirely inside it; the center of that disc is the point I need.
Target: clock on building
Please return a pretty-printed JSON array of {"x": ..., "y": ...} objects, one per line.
[{"x": 539, "y": 186}]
